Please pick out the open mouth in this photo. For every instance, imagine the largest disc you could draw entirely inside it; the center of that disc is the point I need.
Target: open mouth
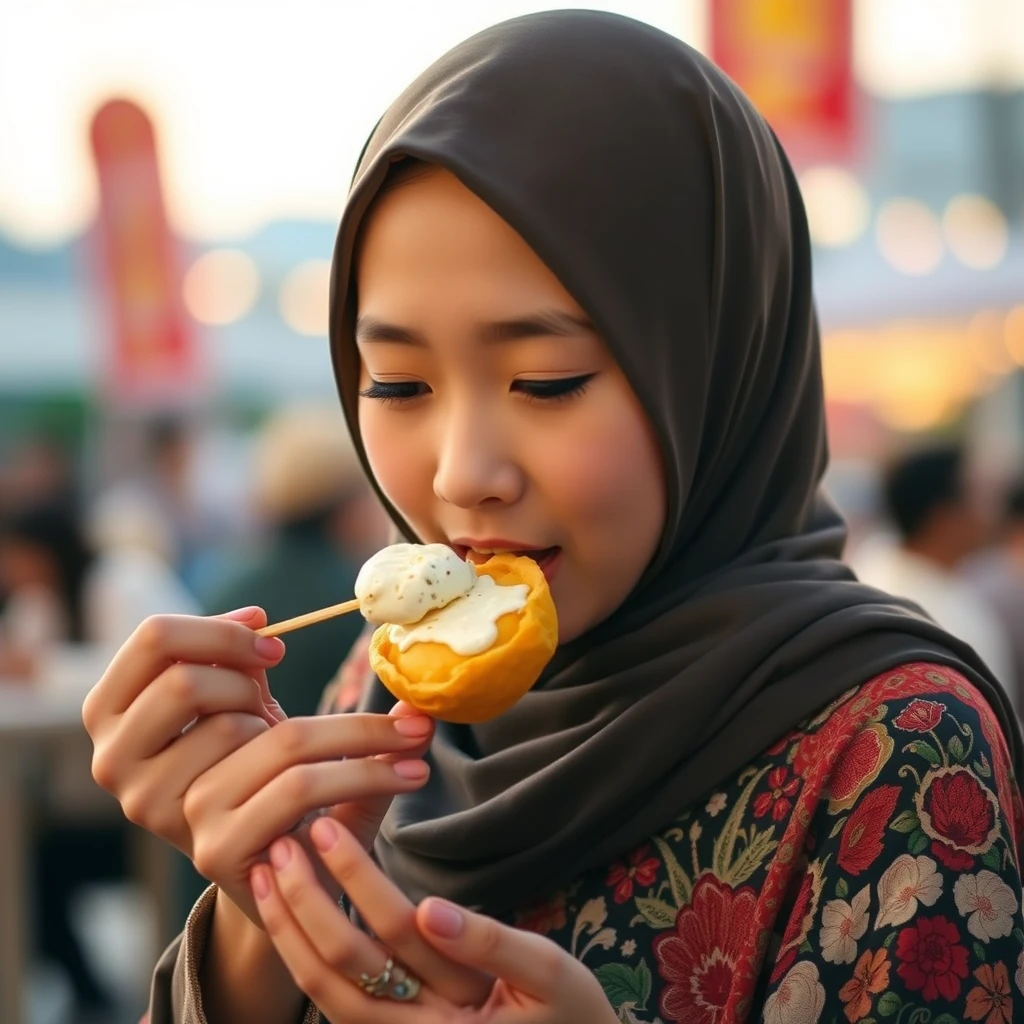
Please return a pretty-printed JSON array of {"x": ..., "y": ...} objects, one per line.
[{"x": 544, "y": 557}]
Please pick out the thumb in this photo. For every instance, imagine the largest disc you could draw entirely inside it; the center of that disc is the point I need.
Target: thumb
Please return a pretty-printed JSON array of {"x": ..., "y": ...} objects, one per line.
[
  {"x": 256, "y": 618},
  {"x": 524, "y": 960}
]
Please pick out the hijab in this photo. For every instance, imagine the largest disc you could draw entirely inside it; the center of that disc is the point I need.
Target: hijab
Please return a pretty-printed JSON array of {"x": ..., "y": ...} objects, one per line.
[{"x": 644, "y": 179}]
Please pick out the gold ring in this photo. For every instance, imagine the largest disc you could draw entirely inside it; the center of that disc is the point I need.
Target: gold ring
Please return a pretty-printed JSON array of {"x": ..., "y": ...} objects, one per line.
[{"x": 393, "y": 982}]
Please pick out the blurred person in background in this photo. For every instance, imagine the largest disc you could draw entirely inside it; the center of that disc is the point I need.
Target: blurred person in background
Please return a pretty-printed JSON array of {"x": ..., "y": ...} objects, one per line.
[
  {"x": 40, "y": 470},
  {"x": 133, "y": 576},
  {"x": 998, "y": 574},
  {"x": 45, "y": 562},
  {"x": 44, "y": 566},
  {"x": 310, "y": 491},
  {"x": 937, "y": 528},
  {"x": 73, "y": 596}
]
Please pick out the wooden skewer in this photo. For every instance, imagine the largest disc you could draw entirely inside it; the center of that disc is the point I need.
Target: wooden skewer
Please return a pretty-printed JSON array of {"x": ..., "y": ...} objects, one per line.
[{"x": 310, "y": 618}]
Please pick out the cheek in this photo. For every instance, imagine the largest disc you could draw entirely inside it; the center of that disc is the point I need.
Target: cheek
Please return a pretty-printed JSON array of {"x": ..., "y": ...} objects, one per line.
[
  {"x": 607, "y": 475},
  {"x": 400, "y": 465}
]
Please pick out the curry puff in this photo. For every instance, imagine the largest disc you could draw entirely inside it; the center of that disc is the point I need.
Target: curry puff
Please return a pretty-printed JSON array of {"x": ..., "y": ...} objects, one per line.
[{"x": 486, "y": 635}]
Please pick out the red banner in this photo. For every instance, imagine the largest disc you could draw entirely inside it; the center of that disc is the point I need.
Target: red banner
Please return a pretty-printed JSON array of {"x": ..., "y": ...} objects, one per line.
[
  {"x": 793, "y": 58},
  {"x": 152, "y": 356}
]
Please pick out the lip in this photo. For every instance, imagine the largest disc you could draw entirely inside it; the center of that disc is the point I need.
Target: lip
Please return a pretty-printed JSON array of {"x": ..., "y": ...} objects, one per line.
[
  {"x": 548, "y": 565},
  {"x": 463, "y": 544}
]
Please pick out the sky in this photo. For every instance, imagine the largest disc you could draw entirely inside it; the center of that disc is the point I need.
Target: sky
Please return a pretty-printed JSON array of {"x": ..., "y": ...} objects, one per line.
[{"x": 261, "y": 107}]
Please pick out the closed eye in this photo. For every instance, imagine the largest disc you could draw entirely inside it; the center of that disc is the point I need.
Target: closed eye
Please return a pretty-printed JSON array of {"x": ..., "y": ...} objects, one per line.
[
  {"x": 558, "y": 389},
  {"x": 552, "y": 390},
  {"x": 392, "y": 393}
]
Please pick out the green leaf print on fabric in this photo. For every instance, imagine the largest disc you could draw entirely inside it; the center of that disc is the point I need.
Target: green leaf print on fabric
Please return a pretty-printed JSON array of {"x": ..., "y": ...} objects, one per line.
[
  {"x": 678, "y": 879},
  {"x": 625, "y": 985}
]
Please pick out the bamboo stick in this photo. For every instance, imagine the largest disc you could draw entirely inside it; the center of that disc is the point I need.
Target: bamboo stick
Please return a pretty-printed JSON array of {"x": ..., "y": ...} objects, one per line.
[{"x": 310, "y": 618}]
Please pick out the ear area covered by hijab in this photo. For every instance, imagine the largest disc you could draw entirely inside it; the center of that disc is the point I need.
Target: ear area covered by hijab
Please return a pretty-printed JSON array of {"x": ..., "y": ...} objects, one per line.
[{"x": 649, "y": 185}]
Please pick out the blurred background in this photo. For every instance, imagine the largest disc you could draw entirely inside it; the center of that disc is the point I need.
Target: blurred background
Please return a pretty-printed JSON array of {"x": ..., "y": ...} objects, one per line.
[{"x": 170, "y": 180}]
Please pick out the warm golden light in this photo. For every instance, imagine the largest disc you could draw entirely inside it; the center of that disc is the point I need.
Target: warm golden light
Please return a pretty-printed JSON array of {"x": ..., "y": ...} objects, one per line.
[
  {"x": 1014, "y": 334},
  {"x": 986, "y": 338},
  {"x": 304, "y": 297},
  {"x": 221, "y": 286}
]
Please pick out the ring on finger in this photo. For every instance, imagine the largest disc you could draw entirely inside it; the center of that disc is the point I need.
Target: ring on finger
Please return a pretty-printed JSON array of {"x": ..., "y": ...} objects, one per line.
[{"x": 393, "y": 982}]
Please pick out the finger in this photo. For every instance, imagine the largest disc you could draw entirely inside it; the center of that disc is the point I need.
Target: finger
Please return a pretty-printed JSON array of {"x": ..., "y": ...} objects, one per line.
[
  {"x": 275, "y": 712},
  {"x": 362, "y": 818},
  {"x": 304, "y": 741},
  {"x": 177, "y": 697},
  {"x": 339, "y": 943},
  {"x": 391, "y": 916},
  {"x": 162, "y": 640},
  {"x": 334, "y": 995},
  {"x": 153, "y": 797},
  {"x": 526, "y": 961},
  {"x": 301, "y": 789}
]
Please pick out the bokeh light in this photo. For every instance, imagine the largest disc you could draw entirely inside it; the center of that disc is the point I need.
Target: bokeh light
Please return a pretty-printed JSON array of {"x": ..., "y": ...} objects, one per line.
[
  {"x": 221, "y": 286},
  {"x": 975, "y": 231},
  {"x": 909, "y": 236},
  {"x": 304, "y": 298},
  {"x": 837, "y": 205}
]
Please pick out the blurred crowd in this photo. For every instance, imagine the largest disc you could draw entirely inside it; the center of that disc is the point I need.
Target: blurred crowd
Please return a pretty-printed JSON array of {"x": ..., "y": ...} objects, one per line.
[{"x": 93, "y": 539}]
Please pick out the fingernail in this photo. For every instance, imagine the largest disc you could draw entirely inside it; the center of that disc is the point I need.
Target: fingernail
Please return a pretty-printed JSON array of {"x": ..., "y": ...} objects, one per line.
[
  {"x": 325, "y": 833},
  {"x": 410, "y": 769},
  {"x": 280, "y": 854},
  {"x": 260, "y": 882},
  {"x": 243, "y": 614},
  {"x": 418, "y": 725},
  {"x": 443, "y": 919},
  {"x": 269, "y": 648}
]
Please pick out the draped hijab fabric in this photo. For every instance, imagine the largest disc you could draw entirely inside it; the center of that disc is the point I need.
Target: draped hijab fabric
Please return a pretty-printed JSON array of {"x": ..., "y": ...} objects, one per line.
[{"x": 649, "y": 185}]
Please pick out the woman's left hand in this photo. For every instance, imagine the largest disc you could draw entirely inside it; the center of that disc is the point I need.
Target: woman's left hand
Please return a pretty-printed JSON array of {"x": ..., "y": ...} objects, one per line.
[{"x": 473, "y": 969}]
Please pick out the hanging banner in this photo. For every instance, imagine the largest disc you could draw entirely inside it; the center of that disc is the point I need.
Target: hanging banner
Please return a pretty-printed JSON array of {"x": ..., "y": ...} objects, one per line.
[
  {"x": 152, "y": 355},
  {"x": 794, "y": 59}
]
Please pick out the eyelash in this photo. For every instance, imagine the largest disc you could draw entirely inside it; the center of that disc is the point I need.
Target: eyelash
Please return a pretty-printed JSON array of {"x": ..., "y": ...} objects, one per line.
[{"x": 560, "y": 390}]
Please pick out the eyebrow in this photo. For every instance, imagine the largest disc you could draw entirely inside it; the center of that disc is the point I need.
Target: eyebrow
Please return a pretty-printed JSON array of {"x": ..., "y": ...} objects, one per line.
[{"x": 548, "y": 323}]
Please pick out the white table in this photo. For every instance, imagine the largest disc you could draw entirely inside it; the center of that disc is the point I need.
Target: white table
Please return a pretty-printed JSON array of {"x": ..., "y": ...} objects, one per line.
[{"x": 37, "y": 722}]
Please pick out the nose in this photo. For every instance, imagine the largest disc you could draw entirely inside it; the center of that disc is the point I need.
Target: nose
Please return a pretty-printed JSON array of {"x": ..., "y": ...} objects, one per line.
[{"x": 475, "y": 462}]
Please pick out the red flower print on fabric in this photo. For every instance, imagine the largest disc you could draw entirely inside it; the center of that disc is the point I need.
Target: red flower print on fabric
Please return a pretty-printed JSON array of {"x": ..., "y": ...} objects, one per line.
[
  {"x": 959, "y": 814},
  {"x": 543, "y": 916},
  {"x": 641, "y": 869},
  {"x": 861, "y": 841},
  {"x": 778, "y": 799},
  {"x": 697, "y": 960},
  {"x": 919, "y": 716},
  {"x": 858, "y": 766},
  {"x": 933, "y": 962}
]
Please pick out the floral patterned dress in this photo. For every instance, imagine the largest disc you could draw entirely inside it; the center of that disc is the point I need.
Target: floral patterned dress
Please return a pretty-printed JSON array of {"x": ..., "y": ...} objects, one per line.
[{"x": 863, "y": 870}]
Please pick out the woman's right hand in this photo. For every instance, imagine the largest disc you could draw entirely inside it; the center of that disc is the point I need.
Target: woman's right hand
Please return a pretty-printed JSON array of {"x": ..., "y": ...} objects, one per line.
[{"x": 223, "y": 788}]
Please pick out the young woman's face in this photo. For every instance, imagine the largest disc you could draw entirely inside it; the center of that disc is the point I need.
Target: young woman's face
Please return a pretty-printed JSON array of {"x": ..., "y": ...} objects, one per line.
[{"x": 493, "y": 416}]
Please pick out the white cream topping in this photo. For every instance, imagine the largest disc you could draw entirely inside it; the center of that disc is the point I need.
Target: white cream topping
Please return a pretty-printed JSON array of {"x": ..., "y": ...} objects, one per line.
[
  {"x": 468, "y": 625},
  {"x": 403, "y": 582}
]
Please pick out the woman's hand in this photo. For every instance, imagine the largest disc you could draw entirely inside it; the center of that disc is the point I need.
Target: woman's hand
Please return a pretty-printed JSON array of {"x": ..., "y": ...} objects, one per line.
[
  {"x": 190, "y": 741},
  {"x": 473, "y": 969}
]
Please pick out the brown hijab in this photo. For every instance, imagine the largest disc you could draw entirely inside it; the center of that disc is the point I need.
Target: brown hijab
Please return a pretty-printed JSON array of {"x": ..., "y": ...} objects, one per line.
[{"x": 646, "y": 181}]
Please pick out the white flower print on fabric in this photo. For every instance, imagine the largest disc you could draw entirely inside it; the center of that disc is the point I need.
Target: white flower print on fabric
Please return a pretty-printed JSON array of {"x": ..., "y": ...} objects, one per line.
[
  {"x": 987, "y": 902},
  {"x": 716, "y": 804},
  {"x": 799, "y": 999},
  {"x": 842, "y": 924},
  {"x": 907, "y": 882}
]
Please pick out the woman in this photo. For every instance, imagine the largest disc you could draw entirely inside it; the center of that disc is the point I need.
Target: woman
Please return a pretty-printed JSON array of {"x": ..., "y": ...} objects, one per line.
[{"x": 572, "y": 313}]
